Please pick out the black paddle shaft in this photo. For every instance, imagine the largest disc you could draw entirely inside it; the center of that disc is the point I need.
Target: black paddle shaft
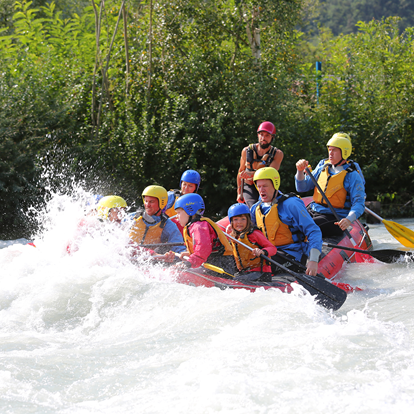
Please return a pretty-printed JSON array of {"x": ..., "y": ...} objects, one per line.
[{"x": 385, "y": 255}]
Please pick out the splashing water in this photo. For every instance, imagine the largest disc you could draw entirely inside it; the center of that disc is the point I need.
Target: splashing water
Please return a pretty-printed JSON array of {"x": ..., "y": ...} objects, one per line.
[{"x": 91, "y": 332}]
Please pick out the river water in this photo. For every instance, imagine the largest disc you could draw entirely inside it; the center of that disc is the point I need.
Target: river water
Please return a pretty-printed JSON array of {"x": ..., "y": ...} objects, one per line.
[{"x": 92, "y": 333}]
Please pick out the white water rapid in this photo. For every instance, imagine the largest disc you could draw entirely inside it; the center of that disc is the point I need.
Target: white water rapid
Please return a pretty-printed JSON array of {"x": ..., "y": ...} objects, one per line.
[{"x": 92, "y": 333}]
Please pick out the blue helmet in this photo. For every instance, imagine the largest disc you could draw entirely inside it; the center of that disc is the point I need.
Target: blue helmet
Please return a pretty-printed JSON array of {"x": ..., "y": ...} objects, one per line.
[
  {"x": 191, "y": 176},
  {"x": 191, "y": 203},
  {"x": 237, "y": 210}
]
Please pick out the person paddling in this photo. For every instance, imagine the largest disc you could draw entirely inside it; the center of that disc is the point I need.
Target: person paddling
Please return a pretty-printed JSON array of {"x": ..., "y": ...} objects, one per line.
[
  {"x": 242, "y": 229},
  {"x": 341, "y": 181},
  {"x": 152, "y": 225},
  {"x": 283, "y": 219},
  {"x": 252, "y": 158},
  {"x": 205, "y": 241}
]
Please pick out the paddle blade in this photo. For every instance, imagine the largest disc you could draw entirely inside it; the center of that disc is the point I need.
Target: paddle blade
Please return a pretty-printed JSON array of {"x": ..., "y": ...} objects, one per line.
[
  {"x": 327, "y": 294},
  {"x": 403, "y": 234},
  {"x": 216, "y": 269}
]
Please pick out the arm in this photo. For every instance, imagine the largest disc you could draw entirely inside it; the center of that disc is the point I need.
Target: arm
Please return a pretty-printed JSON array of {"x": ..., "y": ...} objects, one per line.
[
  {"x": 264, "y": 244},
  {"x": 277, "y": 160},
  {"x": 300, "y": 218},
  {"x": 242, "y": 168},
  {"x": 203, "y": 243},
  {"x": 171, "y": 234},
  {"x": 355, "y": 188},
  {"x": 302, "y": 182}
]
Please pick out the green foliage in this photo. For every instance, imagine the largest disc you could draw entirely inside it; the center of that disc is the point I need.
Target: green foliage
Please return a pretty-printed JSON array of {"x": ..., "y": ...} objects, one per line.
[
  {"x": 366, "y": 91},
  {"x": 184, "y": 86},
  {"x": 343, "y": 16}
]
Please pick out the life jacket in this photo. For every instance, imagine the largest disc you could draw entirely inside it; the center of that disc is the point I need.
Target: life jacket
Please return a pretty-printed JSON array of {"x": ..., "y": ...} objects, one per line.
[
  {"x": 243, "y": 258},
  {"x": 142, "y": 234},
  {"x": 171, "y": 211},
  {"x": 252, "y": 157},
  {"x": 332, "y": 186},
  {"x": 277, "y": 232},
  {"x": 221, "y": 245}
]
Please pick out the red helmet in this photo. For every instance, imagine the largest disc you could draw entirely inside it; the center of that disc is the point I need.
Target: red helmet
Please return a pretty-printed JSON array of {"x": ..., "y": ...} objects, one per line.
[{"x": 267, "y": 127}]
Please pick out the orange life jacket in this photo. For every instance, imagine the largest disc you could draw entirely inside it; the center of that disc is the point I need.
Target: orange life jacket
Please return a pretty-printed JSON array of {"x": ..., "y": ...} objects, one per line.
[
  {"x": 332, "y": 186},
  {"x": 254, "y": 161},
  {"x": 171, "y": 211},
  {"x": 140, "y": 233},
  {"x": 243, "y": 256},
  {"x": 277, "y": 232}
]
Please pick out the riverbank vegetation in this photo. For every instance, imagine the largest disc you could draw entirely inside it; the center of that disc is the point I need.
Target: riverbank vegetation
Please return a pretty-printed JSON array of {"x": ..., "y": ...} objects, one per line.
[{"x": 122, "y": 94}]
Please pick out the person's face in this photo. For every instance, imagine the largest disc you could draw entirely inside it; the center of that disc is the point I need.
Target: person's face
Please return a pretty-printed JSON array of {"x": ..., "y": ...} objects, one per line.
[
  {"x": 187, "y": 188},
  {"x": 183, "y": 217},
  {"x": 335, "y": 155},
  {"x": 239, "y": 223},
  {"x": 116, "y": 214},
  {"x": 266, "y": 190},
  {"x": 264, "y": 139},
  {"x": 151, "y": 205}
]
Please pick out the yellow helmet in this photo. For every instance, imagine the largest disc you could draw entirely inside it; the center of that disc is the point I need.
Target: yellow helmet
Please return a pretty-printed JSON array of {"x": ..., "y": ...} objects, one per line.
[
  {"x": 108, "y": 202},
  {"x": 342, "y": 135},
  {"x": 342, "y": 141},
  {"x": 158, "y": 192},
  {"x": 267, "y": 173}
]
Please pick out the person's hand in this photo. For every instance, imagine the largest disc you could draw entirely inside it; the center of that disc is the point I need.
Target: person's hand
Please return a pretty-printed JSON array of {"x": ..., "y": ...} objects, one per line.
[
  {"x": 246, "y": 175},
  {"x": 301, "y": 165},
  {"x": 344, "y": 224},
  {"x": 184, "y": 255},
  {"x": 169, "y": 257},
  {"x": 312, "y": 268},
  {"x": 257, "y": 252}
]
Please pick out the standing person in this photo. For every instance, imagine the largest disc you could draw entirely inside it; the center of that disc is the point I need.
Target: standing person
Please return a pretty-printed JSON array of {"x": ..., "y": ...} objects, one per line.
[
  {"x": 252, "y": 158},
  {"x": 284, "y": 221},
  {"x": 341, "y": 181},
  {"x": 243, "y": 230},
  {"x": 152, "y": 225},
  {"x": 204, "y": 240}
]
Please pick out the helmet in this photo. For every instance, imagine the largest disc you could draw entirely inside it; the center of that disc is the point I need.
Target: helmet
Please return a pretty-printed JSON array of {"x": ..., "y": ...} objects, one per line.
[
  {"x": 341, "y": 142},
  {"x": 158, "y": 192},
  {"x": 268, "y": 127},
  {"x": 191, "y": 203},
  {"x": 342, "y": 135},
  {"x": 237, "y": 210},
  {"x": 267, "y": 173},
  {"x": 191, "y": 176},
  {"x": 108, "y": 202}
]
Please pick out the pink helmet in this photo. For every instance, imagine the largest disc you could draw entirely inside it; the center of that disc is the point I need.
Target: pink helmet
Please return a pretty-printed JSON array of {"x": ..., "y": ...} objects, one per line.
[{"x": 267, "y": 127}]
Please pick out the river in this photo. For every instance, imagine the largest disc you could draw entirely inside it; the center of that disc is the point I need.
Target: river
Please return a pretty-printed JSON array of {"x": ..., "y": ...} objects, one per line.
[{"x": 92, "y": 333}]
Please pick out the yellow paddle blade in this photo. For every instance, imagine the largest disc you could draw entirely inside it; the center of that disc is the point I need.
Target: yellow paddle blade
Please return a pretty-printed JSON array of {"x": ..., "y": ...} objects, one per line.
[
  {"x": 216, "y": 269},
  {"x": 403, "y": 234}
]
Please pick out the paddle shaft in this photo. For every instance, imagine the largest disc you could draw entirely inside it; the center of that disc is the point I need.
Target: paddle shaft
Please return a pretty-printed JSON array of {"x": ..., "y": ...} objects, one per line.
[
  {"x": 386, "y": 255},
  {"x": 208, "y": 266},
  {"x": 328, "y": 203},
  {"x": 161, "y": 245}
]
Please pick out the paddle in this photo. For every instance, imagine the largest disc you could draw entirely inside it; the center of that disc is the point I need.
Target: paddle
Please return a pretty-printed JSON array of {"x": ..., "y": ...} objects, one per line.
[
  {"x": 208, "y": 266},
  {"x": 153, "y": 245},
  {"x": 344, "y": 286},
  {"x": 315, "y": 182},
  {"x": 327, "y": 294},
  {"x": 404, "y": 235},
  {"x": 386, "y": 255}
]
